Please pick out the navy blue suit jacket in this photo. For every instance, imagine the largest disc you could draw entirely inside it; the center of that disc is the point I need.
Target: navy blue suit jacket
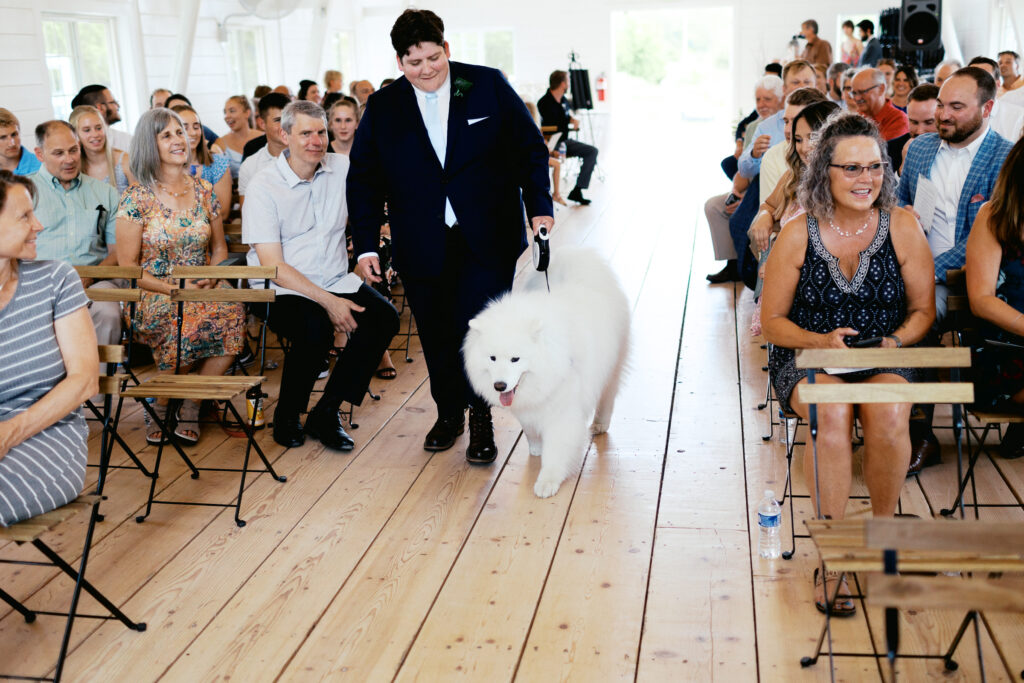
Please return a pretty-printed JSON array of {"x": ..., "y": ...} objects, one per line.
[{"x": 487, "y": 164}]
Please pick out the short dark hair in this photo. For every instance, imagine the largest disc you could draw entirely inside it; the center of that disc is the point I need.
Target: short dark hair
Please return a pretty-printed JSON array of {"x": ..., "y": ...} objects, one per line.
[
  {"x": 304, "y": 85},
  {"x": 90, "y": 94},
  {"x": 330, "y": 98},
  {"x": 44, "y": 129},
  {"x": 986, "y": 83},
  {"x": 811, "y": 24},
  {"x": 556, "y": 78},
  {"x": 9, "y": 180},
  {"x": 272, "y": 100},
  {"x": 803, "y": 97},
  {"x": 867, "y": 26},
  {"x": 848, "y": 24},
  {"x": 1016, "y": 57},
  {"x": 177, "y": 96},
  {"x": 415, "y": 26},
  {"x": 386, "y": 82},
  {"x": 988, "y": 61},
  {"x": 924, "y": 93},
  {"x": 773, "y": 68}
]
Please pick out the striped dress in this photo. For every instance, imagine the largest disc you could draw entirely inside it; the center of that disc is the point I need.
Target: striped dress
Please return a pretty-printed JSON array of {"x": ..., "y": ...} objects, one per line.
[{"x": 47, "y": 470}]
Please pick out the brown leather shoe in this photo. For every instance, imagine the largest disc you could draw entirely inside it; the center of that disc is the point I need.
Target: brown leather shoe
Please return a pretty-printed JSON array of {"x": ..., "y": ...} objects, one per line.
[{"x": 924, "y": 452}]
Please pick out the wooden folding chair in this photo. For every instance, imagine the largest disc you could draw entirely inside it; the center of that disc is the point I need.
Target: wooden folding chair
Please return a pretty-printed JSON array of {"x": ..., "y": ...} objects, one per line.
[
  {"x": 198, "y": 388},
  {"x": 31, "y": 530},
  {"x": 965, "y": 332},
  {"x": 991, "y": 549},
  {"x": 954, "y": 392}
]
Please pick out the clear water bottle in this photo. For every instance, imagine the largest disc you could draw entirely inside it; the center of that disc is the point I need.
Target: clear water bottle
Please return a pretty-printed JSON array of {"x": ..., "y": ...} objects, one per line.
[{"x": 769, "y": 521}]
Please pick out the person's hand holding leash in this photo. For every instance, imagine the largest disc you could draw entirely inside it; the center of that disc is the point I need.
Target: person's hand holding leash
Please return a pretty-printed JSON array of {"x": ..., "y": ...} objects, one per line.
[{"x": 546, "y": 221}]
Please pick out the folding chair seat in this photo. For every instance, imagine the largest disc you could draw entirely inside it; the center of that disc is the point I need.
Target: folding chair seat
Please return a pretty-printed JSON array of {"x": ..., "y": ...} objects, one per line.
[{"x": 223, "y": 390}]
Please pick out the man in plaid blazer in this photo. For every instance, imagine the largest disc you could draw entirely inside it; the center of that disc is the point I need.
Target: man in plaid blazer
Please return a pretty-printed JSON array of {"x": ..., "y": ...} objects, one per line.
[
  {"x": 964, "y": 139},
  {"x": 963, "y": 160}
]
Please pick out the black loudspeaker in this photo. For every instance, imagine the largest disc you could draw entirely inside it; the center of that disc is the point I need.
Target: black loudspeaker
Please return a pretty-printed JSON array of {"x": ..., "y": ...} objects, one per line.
[
  {"x": 921, "y": 25},
  {"x": 579, "y": 84}
]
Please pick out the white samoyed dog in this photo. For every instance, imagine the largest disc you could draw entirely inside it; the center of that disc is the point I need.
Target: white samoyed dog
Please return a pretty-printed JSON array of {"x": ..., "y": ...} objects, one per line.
[{"x": 555, "y": 359}]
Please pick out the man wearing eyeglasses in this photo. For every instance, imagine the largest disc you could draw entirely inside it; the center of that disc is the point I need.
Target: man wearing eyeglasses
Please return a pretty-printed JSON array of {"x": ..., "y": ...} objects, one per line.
[
  {"x": 962, "y": 162},
  {"x": 99, "y": 96},
  {"x": 868, "y": 91}
]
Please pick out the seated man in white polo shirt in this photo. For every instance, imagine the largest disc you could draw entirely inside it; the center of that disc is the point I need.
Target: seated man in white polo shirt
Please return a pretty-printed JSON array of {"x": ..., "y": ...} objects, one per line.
[{"x": 294, "y": 218}]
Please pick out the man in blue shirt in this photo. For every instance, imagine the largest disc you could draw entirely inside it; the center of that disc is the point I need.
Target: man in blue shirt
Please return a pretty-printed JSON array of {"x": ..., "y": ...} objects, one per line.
[
  {"x": 77, "y": 213},
  {"x": 14, "y": 156},
  {"x": 872, "y": 51}
]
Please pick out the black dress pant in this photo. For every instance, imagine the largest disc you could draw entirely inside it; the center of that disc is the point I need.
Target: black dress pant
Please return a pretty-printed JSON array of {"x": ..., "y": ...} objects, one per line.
[
  {"x": 575, "y": 148},
  {"x": 308, "y": 329},
  {"x": 443, "y": 307}
]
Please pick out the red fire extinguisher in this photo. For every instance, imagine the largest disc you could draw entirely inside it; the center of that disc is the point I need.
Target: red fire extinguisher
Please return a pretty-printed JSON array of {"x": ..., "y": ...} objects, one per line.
[{"x": 600, "y": 88}]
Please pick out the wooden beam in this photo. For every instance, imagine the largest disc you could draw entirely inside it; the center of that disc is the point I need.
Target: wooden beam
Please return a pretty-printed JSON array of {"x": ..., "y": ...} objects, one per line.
[
  {"x": 920, "y": 392},
  {"x": 1001, "y": 538},
  {"x": 925, "y": 357},
  {"x": 946, "y": 592}
]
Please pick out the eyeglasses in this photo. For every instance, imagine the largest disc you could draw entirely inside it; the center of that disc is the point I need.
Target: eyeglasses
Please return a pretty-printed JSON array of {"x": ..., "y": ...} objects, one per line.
[
  {"x": 854, "y": 170},
  {"x": 865, "y": 91}
]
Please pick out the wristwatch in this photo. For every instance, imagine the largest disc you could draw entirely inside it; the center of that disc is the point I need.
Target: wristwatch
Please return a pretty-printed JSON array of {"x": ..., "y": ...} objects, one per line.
[{"x": 899, "y": 342}]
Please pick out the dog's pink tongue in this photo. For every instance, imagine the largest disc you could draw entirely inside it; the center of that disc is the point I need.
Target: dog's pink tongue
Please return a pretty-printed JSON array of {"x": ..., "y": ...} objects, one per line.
[{"x": 506, "y": 397}]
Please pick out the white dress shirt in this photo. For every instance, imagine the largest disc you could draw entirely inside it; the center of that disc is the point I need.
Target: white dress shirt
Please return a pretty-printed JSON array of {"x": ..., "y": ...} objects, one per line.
[
  {"x": 306, "y": 217},
  {"x": 443, "y": 105},
  {"x": 949, "y": 172}
]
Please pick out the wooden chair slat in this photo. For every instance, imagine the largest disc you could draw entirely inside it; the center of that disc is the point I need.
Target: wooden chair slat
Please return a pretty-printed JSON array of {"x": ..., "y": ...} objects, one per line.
[
  {"x": 111, "y": 353},
  {"x": 946, "y": 592},
  {"x": 110, "y": 272},
  {"x": 986, "y": 417},
  {"x": 223, "y": 295},
  {"x": 920, "y": 392},
  {"x": 108, "y": 294},
  {"x": 224, "y": 272},
  {"x": 1004, "y": 538},
  {"x": 111, "y": 384},
  {"x": 958, "y": 302},
  {"x": 925, "y": 357},
  {"x": 31, "y": 529},
  {"x": 237, "y": 248}
]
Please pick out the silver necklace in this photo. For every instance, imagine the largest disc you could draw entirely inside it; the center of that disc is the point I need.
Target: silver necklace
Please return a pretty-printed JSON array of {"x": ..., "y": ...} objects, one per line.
[{"x": 847, "y": 233}]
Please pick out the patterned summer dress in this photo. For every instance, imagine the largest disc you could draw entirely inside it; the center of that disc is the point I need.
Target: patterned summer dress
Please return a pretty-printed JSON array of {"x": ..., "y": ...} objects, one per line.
[
  {"x": 1000, "y": 371},
  {"x": 47, "y": 470},
  {"x": 874, "y": 302},
  {"x": 181, "y": 238}
]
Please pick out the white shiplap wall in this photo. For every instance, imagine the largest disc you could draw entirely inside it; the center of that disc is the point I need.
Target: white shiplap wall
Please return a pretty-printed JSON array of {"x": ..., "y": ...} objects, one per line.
[{"x": 149, "y": 36}]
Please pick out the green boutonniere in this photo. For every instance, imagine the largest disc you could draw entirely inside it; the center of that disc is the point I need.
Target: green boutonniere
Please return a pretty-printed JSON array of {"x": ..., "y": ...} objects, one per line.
[{"x": 462, "y": 86}]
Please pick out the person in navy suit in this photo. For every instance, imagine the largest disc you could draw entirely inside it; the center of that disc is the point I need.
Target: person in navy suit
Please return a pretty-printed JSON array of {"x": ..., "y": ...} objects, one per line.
[{"x": 453, "y": 152}]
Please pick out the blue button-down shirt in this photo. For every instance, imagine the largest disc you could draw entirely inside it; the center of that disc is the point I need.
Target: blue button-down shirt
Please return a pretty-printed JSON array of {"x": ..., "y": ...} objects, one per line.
[
  {"x": 774, "y": 127},
  {"x": 78, "y": 223},
  {"x": 28, "y": 162}
]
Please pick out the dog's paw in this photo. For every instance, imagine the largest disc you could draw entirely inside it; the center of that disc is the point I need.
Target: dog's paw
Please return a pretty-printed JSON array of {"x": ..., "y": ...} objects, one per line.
[
  {"x": 598, "y": 428},
  {"x": 546, "y": 487}
]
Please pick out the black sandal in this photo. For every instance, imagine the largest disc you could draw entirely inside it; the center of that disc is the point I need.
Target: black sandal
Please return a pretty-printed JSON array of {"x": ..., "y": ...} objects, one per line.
[{"x": 843, "y": 606}]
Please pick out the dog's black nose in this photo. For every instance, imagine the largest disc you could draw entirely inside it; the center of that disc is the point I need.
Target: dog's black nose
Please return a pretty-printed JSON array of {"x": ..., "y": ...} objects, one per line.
[{"x": 500, "y": 386}]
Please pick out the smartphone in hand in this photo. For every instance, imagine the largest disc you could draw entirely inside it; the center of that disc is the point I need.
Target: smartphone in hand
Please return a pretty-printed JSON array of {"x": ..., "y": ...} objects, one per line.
[{"x": 866, "y": 342}]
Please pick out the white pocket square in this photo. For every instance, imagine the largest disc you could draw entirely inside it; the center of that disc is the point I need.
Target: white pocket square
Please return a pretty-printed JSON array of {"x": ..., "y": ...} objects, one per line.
[{"x": 470, "y": 122}]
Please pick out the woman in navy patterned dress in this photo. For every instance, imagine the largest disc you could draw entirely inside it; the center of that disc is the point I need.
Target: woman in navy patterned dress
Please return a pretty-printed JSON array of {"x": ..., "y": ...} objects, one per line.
[
  {"x": 48, "y": 366},
  {"x": 995, "y": 251},
  {"x": 854, "y": 267}
]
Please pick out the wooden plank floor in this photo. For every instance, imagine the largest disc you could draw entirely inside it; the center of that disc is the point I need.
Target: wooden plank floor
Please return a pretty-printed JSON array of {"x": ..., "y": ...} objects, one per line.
[{"x": 390, "y": 563}]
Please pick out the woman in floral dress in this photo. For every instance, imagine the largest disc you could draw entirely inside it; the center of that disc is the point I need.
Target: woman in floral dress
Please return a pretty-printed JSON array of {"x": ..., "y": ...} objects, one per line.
[{"x": 169, "y": 218}]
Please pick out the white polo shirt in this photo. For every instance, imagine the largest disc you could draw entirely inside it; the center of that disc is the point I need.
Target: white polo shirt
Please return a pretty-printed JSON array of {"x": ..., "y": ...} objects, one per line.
[
  {"x": 251, "y": 166},
  {"x": 306, "y": 217}
]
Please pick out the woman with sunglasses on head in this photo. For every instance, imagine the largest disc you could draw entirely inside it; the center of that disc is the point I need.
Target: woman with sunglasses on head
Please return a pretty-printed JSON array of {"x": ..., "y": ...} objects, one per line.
[{"x": 852, "y": 269}]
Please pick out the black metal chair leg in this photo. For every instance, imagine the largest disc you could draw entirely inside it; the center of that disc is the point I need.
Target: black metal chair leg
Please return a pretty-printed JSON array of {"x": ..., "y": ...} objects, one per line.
[{"x": 29, "y": 615}]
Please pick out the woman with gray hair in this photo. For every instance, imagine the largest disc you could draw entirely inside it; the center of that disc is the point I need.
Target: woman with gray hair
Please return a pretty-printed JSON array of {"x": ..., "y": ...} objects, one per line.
[
  {"x": 170, "y": 218},
  {"x": 854, "y": 268}
]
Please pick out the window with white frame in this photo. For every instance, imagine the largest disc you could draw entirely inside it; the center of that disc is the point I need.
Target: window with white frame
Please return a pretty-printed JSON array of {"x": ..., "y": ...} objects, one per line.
[
  {"x": 490, "y": 47},
  {"x": 247, "y": 63},
  {"x": 80, "y": 51}
]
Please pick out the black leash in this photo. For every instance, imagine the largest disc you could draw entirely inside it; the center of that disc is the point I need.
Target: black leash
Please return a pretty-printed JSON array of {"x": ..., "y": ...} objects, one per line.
[{"x": 542, "y": 253}]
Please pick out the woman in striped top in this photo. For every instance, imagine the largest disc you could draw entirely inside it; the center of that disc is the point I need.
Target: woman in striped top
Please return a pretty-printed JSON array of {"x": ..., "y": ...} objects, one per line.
[{"x": 48, "y": 366}]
